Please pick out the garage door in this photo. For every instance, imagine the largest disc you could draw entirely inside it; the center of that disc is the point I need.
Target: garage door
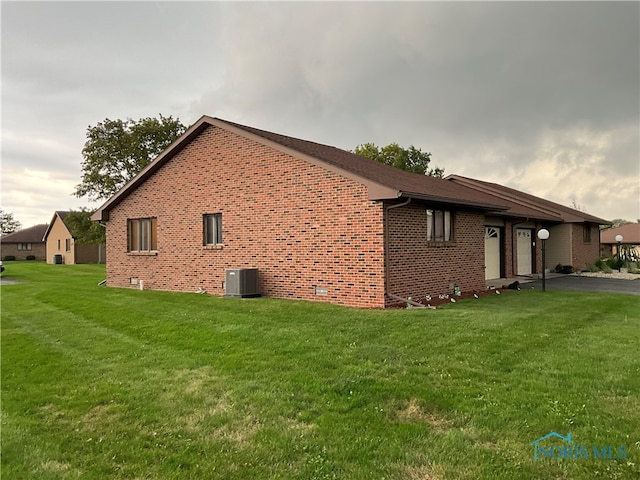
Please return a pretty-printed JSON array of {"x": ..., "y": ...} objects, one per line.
[
  {"x": 524, "y": 251},
  {"x": 492, "y": 253}
]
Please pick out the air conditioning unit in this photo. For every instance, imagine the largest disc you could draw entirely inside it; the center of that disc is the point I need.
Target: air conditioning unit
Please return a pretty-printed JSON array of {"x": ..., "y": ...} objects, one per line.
[{"x": 241, "y": 282}]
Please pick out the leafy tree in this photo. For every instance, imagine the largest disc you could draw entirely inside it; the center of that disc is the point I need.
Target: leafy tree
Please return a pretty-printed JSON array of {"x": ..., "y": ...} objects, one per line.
[
  {"x": 116, "y": 150},
  {"x": 8, "y": 224},
  {"x": 411, "y": 159},
  {"x": 83, "y": 229}
]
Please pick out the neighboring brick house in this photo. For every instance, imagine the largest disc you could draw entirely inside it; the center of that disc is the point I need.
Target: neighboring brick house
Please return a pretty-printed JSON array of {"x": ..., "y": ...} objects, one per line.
[
  {"x": 24, "y": 243},
  {"x": 630, "y": 236},
  {"x": 62, "y": 247},
  {"x": 574, "y": 236},
  {"x": 319, "y": 223}
]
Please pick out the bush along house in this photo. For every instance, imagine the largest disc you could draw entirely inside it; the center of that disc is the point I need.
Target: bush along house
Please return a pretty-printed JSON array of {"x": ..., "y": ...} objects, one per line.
[{"x": 314, "y": 221}]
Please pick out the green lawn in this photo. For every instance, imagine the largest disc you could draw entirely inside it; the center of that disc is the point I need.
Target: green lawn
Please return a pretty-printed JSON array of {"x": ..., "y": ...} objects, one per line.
[{"x": 102, "y": 383}]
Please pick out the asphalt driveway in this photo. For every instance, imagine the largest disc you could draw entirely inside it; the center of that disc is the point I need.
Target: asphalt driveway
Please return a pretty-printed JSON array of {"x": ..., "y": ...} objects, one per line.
[{"x": 588, "y": 284}]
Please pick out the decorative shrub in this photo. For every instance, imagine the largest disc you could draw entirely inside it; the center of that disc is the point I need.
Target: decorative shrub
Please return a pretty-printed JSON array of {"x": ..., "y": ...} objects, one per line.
[
  {"x": 633, "y": 267},
  {"x": 613, "y": 263},
  {"x": 9, "y": 258},
  {"x": 31, "y": 257}
]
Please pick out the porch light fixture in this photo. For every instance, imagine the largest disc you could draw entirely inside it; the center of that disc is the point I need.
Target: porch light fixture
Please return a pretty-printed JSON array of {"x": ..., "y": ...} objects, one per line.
[
  {"x": 543, "y": 234},
  {"x": 619, "y": 239}
]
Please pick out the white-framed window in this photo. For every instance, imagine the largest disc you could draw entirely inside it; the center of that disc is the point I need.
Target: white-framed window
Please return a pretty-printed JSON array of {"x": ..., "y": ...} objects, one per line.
[
  {"x": 67, "y": 245},
  {"x": 212, "y": 229},
  {"x": 439, "y": 226},
  {"x": 24, "y": 246},
  {"x": 142, "y": 234}
]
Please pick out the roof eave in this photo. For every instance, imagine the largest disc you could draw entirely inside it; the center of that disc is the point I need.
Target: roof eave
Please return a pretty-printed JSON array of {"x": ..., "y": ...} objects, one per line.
[
  {"x": 546, "y": 210},
  {"x": 453, "y": 201}
]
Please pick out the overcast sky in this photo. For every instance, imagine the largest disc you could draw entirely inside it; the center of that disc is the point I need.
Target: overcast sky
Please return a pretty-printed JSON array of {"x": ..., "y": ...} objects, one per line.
[{"x": 542, "y": 96}]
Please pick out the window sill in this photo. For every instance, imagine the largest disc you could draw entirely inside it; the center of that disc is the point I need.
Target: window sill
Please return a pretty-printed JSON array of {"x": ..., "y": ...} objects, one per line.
[
  {"x": 143, "y": 254},
  {"x": 218, "y": 246},
  {"x": 441, "y": 244}
]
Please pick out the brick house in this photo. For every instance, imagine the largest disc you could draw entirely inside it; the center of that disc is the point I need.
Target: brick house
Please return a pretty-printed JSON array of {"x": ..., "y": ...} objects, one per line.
[
  {"x": 319, "y": 223},
  {"x": 25, "y": 243},
  {"x": 62, "y": 247}
]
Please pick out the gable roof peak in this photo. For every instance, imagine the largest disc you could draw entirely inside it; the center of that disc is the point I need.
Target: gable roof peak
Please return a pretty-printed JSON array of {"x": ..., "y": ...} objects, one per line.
[{"x": 62, "y": 215}]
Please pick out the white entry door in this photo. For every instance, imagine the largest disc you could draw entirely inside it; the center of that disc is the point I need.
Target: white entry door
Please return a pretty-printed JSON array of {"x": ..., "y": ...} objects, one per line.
[
  {"x": 491, "y": 253},
  {"x": 524, "y": 251}
]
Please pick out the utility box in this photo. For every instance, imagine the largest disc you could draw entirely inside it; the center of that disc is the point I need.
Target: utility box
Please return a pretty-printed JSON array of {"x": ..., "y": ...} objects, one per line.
[
  {"x": 58, "y": 259},
  {"x": 241, "y": 283}
]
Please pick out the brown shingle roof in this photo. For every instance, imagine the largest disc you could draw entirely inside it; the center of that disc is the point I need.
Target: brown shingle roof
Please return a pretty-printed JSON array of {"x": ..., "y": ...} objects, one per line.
[
  {"x": 407, "y": 184},
  {"x": 629, "y": 232},
  {"x": 525, "y": 205},
  {"x": 33, "y": 234}
]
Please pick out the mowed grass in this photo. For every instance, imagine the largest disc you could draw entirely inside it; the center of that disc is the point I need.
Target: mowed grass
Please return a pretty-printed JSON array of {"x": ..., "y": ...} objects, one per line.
[{"x": 104, "y": 383}]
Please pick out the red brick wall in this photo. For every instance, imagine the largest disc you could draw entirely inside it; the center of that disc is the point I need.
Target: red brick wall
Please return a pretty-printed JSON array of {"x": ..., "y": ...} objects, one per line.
[
  {"x": 302, "y": 226},
  {"x": 510, "y": 249},
  {"x": 584, "y": 253},
  {"x": 418, "y": 268},
  {"x": 37, "y": 249}
]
